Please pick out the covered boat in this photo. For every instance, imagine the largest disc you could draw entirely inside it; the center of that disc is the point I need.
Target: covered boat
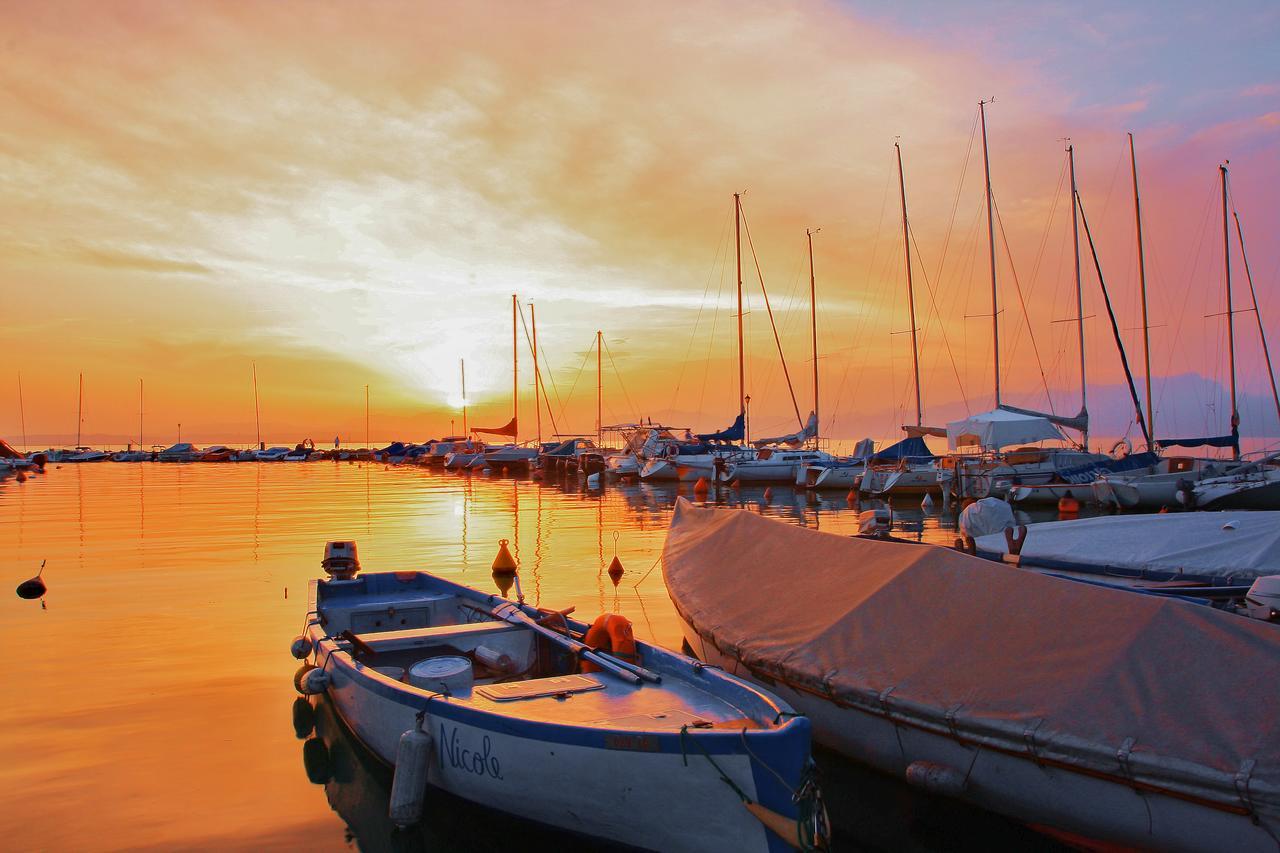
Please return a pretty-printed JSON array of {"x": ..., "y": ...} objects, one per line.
[
  {"x": 659, "y": 752},
  {"x": 1218, "y": 548},
  {"x": 1080, "y": 709}
]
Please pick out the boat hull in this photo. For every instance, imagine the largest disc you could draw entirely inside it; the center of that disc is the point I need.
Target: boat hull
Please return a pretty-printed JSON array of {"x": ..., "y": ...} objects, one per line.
[
  {"x": 1093, "y": 808},
  {"x": 838, "y": 478}
]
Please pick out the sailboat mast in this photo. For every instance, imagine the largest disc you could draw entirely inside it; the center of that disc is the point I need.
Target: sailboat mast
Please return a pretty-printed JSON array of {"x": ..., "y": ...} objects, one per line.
[
  {"x": 1231, "y": 320},
  {"x": 991, "y": 247},
  {"x": 80, "y": 410},
  {"x": 140, "y": 445},
  {"x": 599, "y": 390},
  {"x": 22, "y": 412},
  {"x": 813, "y": 323},
  {"x": 515, "y": 374},
  {"x": 462, "y": 362},
  {"x": 537, "y": 374},
  {"x": 737, "y": 243},
  {"x": 1075, "y": 246},
  {"x": 366, "y": 416},
  {"x": 911, "y": 291},
  {"x": 257, "y": 414},
  {"x": 1142, "y": 281}
]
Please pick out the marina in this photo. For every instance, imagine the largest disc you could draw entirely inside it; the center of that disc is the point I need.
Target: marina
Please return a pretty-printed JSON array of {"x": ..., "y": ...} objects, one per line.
[{"x": 675, "y": 427}]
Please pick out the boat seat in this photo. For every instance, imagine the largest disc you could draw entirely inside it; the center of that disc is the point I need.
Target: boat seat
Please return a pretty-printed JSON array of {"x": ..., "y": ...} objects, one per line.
[{"x": 412, "y": 638}]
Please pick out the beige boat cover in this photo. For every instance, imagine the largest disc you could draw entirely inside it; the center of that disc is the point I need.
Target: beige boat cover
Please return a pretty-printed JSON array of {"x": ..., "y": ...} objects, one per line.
[{"x": 1165, "y": 692}]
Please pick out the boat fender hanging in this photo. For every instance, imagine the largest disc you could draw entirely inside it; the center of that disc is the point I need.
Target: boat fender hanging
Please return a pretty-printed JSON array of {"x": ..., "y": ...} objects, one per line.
[
  {"x": 936, "y": 778},
  {"x": 301, "y": 647},
  {"x": 409, "y": 784},
  {"x": 611, "y": 633},
  {"x": 310, "y": 680},
  {"x": 304, "y": 718}
]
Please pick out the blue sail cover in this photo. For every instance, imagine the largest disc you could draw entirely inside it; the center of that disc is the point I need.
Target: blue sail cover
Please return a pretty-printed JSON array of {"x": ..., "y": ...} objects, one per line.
[
  {"x": 1089, "y": 472},
  {"x": 1232, "y": 441},
  {"x": 733, "y": 433},
  {"x": 909, "y": 448}
]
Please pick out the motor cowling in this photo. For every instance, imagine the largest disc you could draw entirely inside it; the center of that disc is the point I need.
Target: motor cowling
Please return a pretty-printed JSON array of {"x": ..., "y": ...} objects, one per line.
[{"x": 340, "y": 562}]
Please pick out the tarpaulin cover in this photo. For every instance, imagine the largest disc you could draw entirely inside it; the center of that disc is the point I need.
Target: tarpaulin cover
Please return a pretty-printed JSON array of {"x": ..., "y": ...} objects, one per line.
[
  {"x": 1089, "y": 471},
  {"x": 733, "y": 433},
  {"x": 1023, "y": 662},
  {"x": 999, "y": 428},
  {"x": 1242, "y": 545},
  {"x": 908, "y": 448}
]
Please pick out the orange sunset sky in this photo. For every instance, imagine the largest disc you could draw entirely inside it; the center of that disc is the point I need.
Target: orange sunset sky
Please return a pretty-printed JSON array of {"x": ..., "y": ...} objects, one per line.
[{"x": 348, "y": 194}]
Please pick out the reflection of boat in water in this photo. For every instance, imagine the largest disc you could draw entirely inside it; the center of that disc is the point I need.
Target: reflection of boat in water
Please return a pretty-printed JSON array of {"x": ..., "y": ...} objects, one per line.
[
  {"x": 357, "y": 785},
  {"x": 665, "y": 754}
]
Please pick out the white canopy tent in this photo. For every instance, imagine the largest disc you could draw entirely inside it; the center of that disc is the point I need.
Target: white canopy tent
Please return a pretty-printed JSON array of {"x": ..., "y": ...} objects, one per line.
[{"x": 1000, "y": 428}]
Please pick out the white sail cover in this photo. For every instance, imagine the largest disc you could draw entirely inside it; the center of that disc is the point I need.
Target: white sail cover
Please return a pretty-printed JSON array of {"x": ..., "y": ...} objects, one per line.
[
  {"x": 1242, "y": 545},
  {"x": 1168, "y": 693},
  {"x": 795, "y": 439},
  {"x": 999, "y": 428}
]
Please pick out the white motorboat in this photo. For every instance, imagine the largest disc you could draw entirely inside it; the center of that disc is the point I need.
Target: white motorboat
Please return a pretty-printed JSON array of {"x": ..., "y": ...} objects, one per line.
[
  {"x": 180, "y": 452},
  {"x": 1255, "y": 486},
  {"x": 1079, "y": 709},
  {"x": 510, "y": 455},
  {"x": 270, "y": 454},
  {"x": 133, "y": 456},
  {"x": 471, "y": 694},
  {"x": 776, "y": 465},
  {"x": 843, "y": 475}
]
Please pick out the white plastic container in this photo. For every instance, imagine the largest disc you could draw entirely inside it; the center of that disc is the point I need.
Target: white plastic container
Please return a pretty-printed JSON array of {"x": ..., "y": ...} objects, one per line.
[{"x": 444, "y": 674}]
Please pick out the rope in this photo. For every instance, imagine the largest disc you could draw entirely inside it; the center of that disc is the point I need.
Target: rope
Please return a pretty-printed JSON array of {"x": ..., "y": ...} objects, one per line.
[
  {"x": 618, "y": 374},
  {"x": 1018, "y": 286}
]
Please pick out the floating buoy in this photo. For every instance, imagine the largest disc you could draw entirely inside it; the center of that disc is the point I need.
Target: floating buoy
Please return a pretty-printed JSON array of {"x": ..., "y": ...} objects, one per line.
[
  {"x": 21, "y": 476},
  {"x": 768, "y": 493},
  {"x": 33, "y": 588},
  {"x": 304, "y": 718},
  {"x": 615, "y": 570},
  {"x": 504, "y": 562},
  {"x": 315, "y": 758},
  {"x": 1068, "y": 505},
  {"x": 936, "y": 778},
  {"x": 409, "y": 784},
  {"x": 301, "y": 647},
  {"x": 701, "y": 486},
  {"x": 852, "y": 498},
  {"x": 593, "y": 482},
  {"x": 927, "y": 503}
]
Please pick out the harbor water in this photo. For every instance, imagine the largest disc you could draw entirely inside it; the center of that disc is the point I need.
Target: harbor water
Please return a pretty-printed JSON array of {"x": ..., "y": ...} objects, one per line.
[{"x": 151, "y": 704}]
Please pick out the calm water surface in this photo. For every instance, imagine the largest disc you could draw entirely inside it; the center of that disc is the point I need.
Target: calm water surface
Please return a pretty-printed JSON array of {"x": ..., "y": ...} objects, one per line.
[{"x": 151, "y": 703}]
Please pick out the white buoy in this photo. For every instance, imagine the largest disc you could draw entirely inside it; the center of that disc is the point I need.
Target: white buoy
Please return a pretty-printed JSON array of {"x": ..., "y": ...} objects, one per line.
[
  {"x": 927, "y": 503},
  {"x": 300, "y": 648},
  {"x": 593, "y": 481},
  {"x": 409, "y": 784},
  {"x": 936, "y": 778},
  {"x": 315, "y": 681}
]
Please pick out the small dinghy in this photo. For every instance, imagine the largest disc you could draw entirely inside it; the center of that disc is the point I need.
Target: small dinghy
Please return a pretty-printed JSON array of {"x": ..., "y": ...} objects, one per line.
[{"x": 504, "y": 704}]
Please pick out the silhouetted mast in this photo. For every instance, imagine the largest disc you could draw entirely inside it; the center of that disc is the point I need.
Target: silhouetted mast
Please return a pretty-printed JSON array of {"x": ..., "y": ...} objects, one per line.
[
  {"x": 991, "y": 246},
  {"x": 1142, "y": 280},
  {"x": 911, "y": 292}
]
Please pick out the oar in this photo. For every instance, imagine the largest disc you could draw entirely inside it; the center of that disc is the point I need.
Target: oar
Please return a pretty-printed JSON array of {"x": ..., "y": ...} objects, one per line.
[{"x": 629, "y": 672}]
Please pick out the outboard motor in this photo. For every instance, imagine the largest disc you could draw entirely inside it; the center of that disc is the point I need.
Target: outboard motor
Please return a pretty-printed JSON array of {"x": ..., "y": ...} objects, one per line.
[
  {"x": 1263, "y": 599},
  {"x": 340, "y": 562}
]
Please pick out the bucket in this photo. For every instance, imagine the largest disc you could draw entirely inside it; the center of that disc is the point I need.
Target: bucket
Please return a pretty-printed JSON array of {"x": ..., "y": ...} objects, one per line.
[{"x": 445, "y": 674}]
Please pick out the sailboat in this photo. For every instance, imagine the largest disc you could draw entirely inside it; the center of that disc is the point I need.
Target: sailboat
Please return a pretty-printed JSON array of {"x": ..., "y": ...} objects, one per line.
[
  {"x": 908, "y": 467},
  {"x": 994, "y": 471},
  {"x": 79, "y": 453},
  {"x": 784, "y": 459},
  {"x": 138, "y": 455},
  {"x": 707, "y": 455},
  {"x": 1177, "y": 480}
]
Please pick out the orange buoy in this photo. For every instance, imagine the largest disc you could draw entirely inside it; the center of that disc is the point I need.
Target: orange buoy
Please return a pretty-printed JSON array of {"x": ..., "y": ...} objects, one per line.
[
  {"x": 1068, "y": 505},
  {"x": 701, "y": 486},
  {"x": 611, "y": 632},
  {"x": 768, "y": 493},
  {"x": 615, "y": 570},
  {"x": 852, "y": 498},
  {"x": 22, "y": 476},
  {"x": 504, "y": 562}
]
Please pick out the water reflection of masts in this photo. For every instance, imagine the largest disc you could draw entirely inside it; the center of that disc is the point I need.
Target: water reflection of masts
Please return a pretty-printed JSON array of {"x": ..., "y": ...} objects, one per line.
[
  {"x": 537, "y": 550},
  {"x": 257, "y": 509}
]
